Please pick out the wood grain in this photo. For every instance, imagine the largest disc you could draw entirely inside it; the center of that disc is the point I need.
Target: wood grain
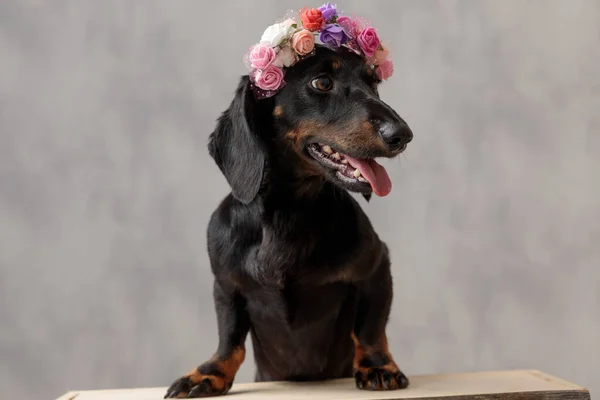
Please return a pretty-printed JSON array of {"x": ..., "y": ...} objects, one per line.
[{"x": 512, "y": 385}]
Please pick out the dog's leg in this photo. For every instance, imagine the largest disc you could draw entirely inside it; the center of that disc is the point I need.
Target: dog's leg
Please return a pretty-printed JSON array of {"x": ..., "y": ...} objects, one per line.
[
  {"x": 374, "y": 367},
  {"x": 215, "y": 376}
]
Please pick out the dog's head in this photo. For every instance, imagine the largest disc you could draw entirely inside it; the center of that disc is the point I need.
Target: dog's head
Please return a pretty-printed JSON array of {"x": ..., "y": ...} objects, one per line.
[{"x": 326, "y": 123}]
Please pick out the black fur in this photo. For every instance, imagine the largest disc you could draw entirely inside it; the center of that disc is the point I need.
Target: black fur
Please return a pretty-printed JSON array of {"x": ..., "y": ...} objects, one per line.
[
  {"x": 236, "y": 147},
  {"x": 296, "y": 261}
]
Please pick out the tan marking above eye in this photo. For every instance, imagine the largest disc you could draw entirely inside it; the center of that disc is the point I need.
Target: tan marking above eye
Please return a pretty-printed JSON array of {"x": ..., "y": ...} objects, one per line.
[
  {"x": 278, "y": 111},
  {"x": 336, "y": 63}
]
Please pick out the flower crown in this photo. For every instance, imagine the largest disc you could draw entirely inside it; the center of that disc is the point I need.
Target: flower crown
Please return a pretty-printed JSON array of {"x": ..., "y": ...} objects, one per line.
[{"x": 285, "y": 43}]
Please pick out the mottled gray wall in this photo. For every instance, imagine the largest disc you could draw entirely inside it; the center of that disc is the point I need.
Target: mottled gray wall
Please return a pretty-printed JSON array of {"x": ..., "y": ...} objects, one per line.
[{"x": 106, "y": 186}]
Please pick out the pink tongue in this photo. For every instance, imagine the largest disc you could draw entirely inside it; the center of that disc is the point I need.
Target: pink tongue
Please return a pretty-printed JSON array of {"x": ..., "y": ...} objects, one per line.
[{"x": 374, "y": 173}]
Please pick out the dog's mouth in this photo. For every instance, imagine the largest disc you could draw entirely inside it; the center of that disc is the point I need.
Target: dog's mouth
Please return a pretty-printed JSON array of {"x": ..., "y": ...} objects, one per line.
[{"x": 360, "y": 175}]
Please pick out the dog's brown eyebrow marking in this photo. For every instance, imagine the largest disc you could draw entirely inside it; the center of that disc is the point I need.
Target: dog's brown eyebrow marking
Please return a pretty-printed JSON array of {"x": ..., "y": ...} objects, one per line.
[
  {"x": 336, "y": 63},
  {"x": 278, "y": 111}
]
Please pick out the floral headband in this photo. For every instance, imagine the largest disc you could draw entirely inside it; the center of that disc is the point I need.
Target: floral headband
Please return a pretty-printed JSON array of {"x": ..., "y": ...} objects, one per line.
[{"x": 285, "y": 43}]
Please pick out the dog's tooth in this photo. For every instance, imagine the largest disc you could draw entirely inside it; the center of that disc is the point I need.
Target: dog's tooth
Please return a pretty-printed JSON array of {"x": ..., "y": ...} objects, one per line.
[
  {"x": 356, "y": 173},
  {"x": 344, "y": 161},
  {"x": 337, "y": 156},
  {"x": 361, "y": 179},
  {"x": 327, "y": 149}
]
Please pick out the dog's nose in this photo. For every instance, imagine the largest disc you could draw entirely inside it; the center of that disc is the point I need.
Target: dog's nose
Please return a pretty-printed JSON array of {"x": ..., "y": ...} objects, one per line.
[{"x": 395, "y": 134}]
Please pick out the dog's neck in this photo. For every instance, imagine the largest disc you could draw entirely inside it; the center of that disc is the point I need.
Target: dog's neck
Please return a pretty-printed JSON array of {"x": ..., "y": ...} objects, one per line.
[{"x": 291, "y": 178}]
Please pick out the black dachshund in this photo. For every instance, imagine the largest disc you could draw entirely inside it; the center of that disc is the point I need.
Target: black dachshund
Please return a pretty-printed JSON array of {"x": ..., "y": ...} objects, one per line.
[{"x": 296, "y": 261}]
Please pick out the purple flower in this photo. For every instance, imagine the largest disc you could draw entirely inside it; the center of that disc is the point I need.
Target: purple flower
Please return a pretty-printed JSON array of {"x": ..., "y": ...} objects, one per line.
[
  {"x": 329, "y": 11},
  {"x": 334, "y": 35}
]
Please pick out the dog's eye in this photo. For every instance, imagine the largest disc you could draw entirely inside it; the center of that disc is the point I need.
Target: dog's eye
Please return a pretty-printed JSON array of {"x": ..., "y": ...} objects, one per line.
[{"x": 323, "y": 83}]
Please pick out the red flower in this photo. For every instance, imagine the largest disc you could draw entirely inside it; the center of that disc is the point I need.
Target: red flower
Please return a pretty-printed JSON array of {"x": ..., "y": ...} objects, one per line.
[{"x": 312, "y": 18}]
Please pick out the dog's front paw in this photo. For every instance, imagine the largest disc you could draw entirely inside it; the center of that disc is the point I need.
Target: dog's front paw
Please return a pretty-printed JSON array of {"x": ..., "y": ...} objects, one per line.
[
  {"x": 380, "y": 378},
  {"x": 213, "y": 378},
  {"x": 374, "y": 367},
  {"x": 195, "y": 384}
]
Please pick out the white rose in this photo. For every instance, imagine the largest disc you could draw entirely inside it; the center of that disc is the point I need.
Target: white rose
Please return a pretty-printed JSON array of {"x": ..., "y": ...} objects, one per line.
[
  {"x": 286, "y": 57},
  {"x": 289, "y": 22},
  {"x": 274, "y": 35}
]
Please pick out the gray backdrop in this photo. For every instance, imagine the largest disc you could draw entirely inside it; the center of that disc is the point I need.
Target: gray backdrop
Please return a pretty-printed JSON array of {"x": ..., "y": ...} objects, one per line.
[{"x": 106, "y": 185}]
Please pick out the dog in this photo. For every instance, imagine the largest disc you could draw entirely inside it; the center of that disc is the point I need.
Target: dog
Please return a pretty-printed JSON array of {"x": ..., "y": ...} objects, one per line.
[{"x": 296, "y": 261}]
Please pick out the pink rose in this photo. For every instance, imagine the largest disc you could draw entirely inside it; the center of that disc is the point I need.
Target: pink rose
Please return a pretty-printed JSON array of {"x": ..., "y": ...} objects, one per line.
[
  {"x": 303, "y": 42},
  {"x": 379, "y": 57},
  {"x": 351, "y": 26},
  {"x": 368, "y": 41},
  {"x": 261, "y": 56},
  {"x": 385, "y": 70},
  {"x": 271, "y": 78}
]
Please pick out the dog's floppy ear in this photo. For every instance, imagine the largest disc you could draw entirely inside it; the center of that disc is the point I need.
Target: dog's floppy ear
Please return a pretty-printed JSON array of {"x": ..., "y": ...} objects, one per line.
[{"x": 236, "y": 146}]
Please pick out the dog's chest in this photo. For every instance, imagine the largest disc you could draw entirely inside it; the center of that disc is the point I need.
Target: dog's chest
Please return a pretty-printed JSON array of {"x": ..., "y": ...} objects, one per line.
[
  {"x": 293, "y": 305},
  {"x": 312, "y": 259},
  {"x": 299, "y": 286}
]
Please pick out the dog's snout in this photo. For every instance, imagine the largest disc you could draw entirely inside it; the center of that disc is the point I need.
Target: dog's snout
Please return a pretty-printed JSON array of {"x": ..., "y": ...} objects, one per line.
[
  {"x": 395, "y": 134},
  {"x": 392, "y": 129}
]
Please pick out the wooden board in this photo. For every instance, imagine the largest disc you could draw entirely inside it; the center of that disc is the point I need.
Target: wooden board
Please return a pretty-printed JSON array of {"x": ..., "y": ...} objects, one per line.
[{"x": 481, "y": 385}]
